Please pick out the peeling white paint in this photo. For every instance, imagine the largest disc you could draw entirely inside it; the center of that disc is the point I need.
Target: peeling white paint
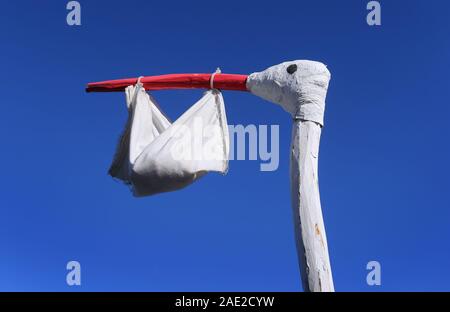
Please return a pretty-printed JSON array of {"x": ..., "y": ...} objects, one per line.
[{"x": 309, "y": 227}]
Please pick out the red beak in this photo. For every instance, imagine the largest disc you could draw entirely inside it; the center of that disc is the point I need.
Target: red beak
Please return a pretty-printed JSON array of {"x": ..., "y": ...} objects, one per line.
[{"x": 174, "y": 81}]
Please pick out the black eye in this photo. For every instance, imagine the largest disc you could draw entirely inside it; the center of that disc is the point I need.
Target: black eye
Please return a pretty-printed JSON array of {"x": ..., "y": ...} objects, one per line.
[{"x": 292, "y": 69}]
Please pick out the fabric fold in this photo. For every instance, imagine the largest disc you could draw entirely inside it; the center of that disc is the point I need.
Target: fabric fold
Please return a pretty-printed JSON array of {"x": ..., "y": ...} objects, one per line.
[{"x": 155, "y": 155}]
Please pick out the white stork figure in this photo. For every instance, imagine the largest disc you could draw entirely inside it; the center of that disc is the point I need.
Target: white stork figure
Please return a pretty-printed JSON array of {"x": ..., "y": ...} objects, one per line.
[{"x": 300, "y": 87}]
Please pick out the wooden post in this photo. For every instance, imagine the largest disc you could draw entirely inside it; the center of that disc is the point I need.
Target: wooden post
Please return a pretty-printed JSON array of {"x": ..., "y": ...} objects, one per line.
[{"x": 309, "y": 227}]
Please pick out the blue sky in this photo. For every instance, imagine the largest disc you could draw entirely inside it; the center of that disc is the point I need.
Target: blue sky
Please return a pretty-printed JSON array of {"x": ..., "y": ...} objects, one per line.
[{"x": 384, "y": 171}]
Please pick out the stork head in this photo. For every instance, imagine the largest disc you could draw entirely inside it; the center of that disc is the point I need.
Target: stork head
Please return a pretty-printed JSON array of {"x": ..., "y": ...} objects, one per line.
[{"x": 300, "y": 87}]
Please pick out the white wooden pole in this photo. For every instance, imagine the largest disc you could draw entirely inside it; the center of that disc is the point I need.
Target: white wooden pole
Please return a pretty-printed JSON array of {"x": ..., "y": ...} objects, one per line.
[{"x": 309, "y": 227}]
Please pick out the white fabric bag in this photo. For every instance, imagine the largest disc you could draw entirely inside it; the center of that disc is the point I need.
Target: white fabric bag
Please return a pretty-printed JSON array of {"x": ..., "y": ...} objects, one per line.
[{"x": 155, "y": 156}]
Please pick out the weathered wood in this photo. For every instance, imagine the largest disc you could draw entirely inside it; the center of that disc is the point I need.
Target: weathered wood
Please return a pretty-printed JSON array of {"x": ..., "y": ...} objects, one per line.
[{"x": 309, "y": 227}]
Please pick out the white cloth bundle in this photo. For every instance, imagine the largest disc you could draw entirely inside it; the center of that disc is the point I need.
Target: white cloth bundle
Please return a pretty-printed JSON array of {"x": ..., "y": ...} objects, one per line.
[{"x": 155, "y": 156}]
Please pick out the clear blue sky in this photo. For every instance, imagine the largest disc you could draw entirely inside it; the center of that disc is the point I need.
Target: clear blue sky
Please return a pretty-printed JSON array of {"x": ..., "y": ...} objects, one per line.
[{"x": 384, "y": 159}]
